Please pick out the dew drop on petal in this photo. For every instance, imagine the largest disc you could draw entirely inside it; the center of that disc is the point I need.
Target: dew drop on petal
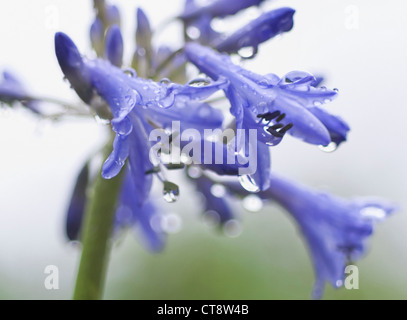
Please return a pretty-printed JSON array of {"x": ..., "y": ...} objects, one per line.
[
  {"x": 331, "y": 147},
  {"x": 246, "y": 52},
  {"x": 218, "y": 190},
  {"x": 167, "y": 102},
  {"x": 317, "y": 103},
  {"x": 373, "y": 213},
  {"x": 131, "y": 73},
  {"x": 252, "y": 203},
  {"x": 232, "y": 228},
  {"x": 248, "y": 183},
  {"x": 339, "y": 283}
]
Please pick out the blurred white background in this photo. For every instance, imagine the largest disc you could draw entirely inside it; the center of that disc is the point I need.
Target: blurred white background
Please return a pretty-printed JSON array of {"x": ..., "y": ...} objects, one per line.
[{"x": 360, "y": 46}]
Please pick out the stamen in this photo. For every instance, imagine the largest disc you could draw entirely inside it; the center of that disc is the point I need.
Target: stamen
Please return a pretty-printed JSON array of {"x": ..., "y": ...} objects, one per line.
[
  {"x": 281, "y": 117},
  {"x": 269, "y": 115}
]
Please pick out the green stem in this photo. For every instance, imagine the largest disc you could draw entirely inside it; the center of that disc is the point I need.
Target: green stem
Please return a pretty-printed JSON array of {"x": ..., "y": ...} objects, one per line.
[{"x": 96, "y": 238}]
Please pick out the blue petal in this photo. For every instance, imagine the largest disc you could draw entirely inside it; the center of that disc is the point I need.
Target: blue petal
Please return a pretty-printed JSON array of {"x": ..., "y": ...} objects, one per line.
[
  {"x": 267, "y": 26},
  {"x": 143, "y": 25},
  {"x": 140, "y": 216},
  {"x": 139, "y": 161},
  {"x": 215, "y": 204},
  {"x": 117, "y": 159},
  {"x": 114, "y": 46},
  {"x": 335, "y": 229},
  {"x": 97, "y": 35},
  {"x": 73, "y": 66},
  {"x": 12, "y": 89},
  {"x": 217, "y": 8},
  {"x": 77, "y": 205},
  {"x": 338, "y": 128}
]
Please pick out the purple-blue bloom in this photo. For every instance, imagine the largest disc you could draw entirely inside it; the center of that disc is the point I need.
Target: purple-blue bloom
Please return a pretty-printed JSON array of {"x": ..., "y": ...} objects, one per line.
[
  {"x": 12, "y": 89},
  {"x": 114, "y": 46},
  {"x": 335, "y": 229},
  {"x": 216, "y": 8},
  {"x": 77, "y": 204},
  {"x": 130, "y": 214},
  {"x": 215, "y": 205},
  {"x": 261, "y": 29},
  {"x": 268, "y": 103},
  {"x": 125, "y": 93}
]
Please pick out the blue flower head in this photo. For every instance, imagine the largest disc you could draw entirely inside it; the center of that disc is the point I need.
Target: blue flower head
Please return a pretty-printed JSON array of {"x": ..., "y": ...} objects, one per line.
[
  {"x": 272, "y": 105},
  {"x": 335, "y": 229},
  {"x": 114, "y": 46},
  {"x": 133, "y": 101},
  {"x": 216, "y": 8},
  {"x": 267, "y": 26},
  {"x": 12, "y": 90}
]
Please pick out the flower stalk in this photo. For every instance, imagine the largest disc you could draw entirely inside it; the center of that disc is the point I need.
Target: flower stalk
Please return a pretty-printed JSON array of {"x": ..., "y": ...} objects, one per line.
[{"x": 96, "y": 237}]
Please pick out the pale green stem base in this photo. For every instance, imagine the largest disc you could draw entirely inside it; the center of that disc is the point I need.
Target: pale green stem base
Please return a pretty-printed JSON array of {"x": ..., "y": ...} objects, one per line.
[{"x": 96, "y": 238}]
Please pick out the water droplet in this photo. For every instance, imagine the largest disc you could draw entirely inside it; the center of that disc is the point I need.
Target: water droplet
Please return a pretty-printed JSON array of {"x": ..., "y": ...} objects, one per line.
[
  {"x": 247, "y": 52},
  {"x": 102, "y": 121},
  {"x": 336, "y": 89},
  {"x": 232, "y": 228},
  {"x": 327, "y": 100},
  {"x": 373, "y": 213},
  {"x": 193, "y": 32},
  {"x": 248, "y": 183},
  {"x": 165, "y": 81},
  {"x": 167, "y": 101},
  {"x": 130, "y": 72},
  {"x": 252, "y": 203},
  {"x": 170, "y": 192},
  {"x": 317, "y": 103},
  {"x": 331, "y": 147},
  {"x": 194, "y": 172},
  {"x": 171, "y": 223},
  {"x": 199, "y": 82},
  {"x": 218, "y": 190},
  {"x": 264, "y": 83}
]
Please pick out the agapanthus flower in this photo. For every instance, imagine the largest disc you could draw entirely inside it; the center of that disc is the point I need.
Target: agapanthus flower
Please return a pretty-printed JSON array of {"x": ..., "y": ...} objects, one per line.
[
  {"x": 130, "y": 214},
  {"x": 216, "y": 8},
  {"x": 125, "y": 93},
  {"x": 12, "y": 90},
  {"x": 271, "y": 104},
  {"x": 77, "y": 204},
  {"x": 261, "y": 29},
  {"x": 114, "y": 46},
  {"x": 138, "y": 106},
  {"x": 214, "y": 200},
  {"x": 107, "y": 16},
  {"x": 335, "y": 229}
]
